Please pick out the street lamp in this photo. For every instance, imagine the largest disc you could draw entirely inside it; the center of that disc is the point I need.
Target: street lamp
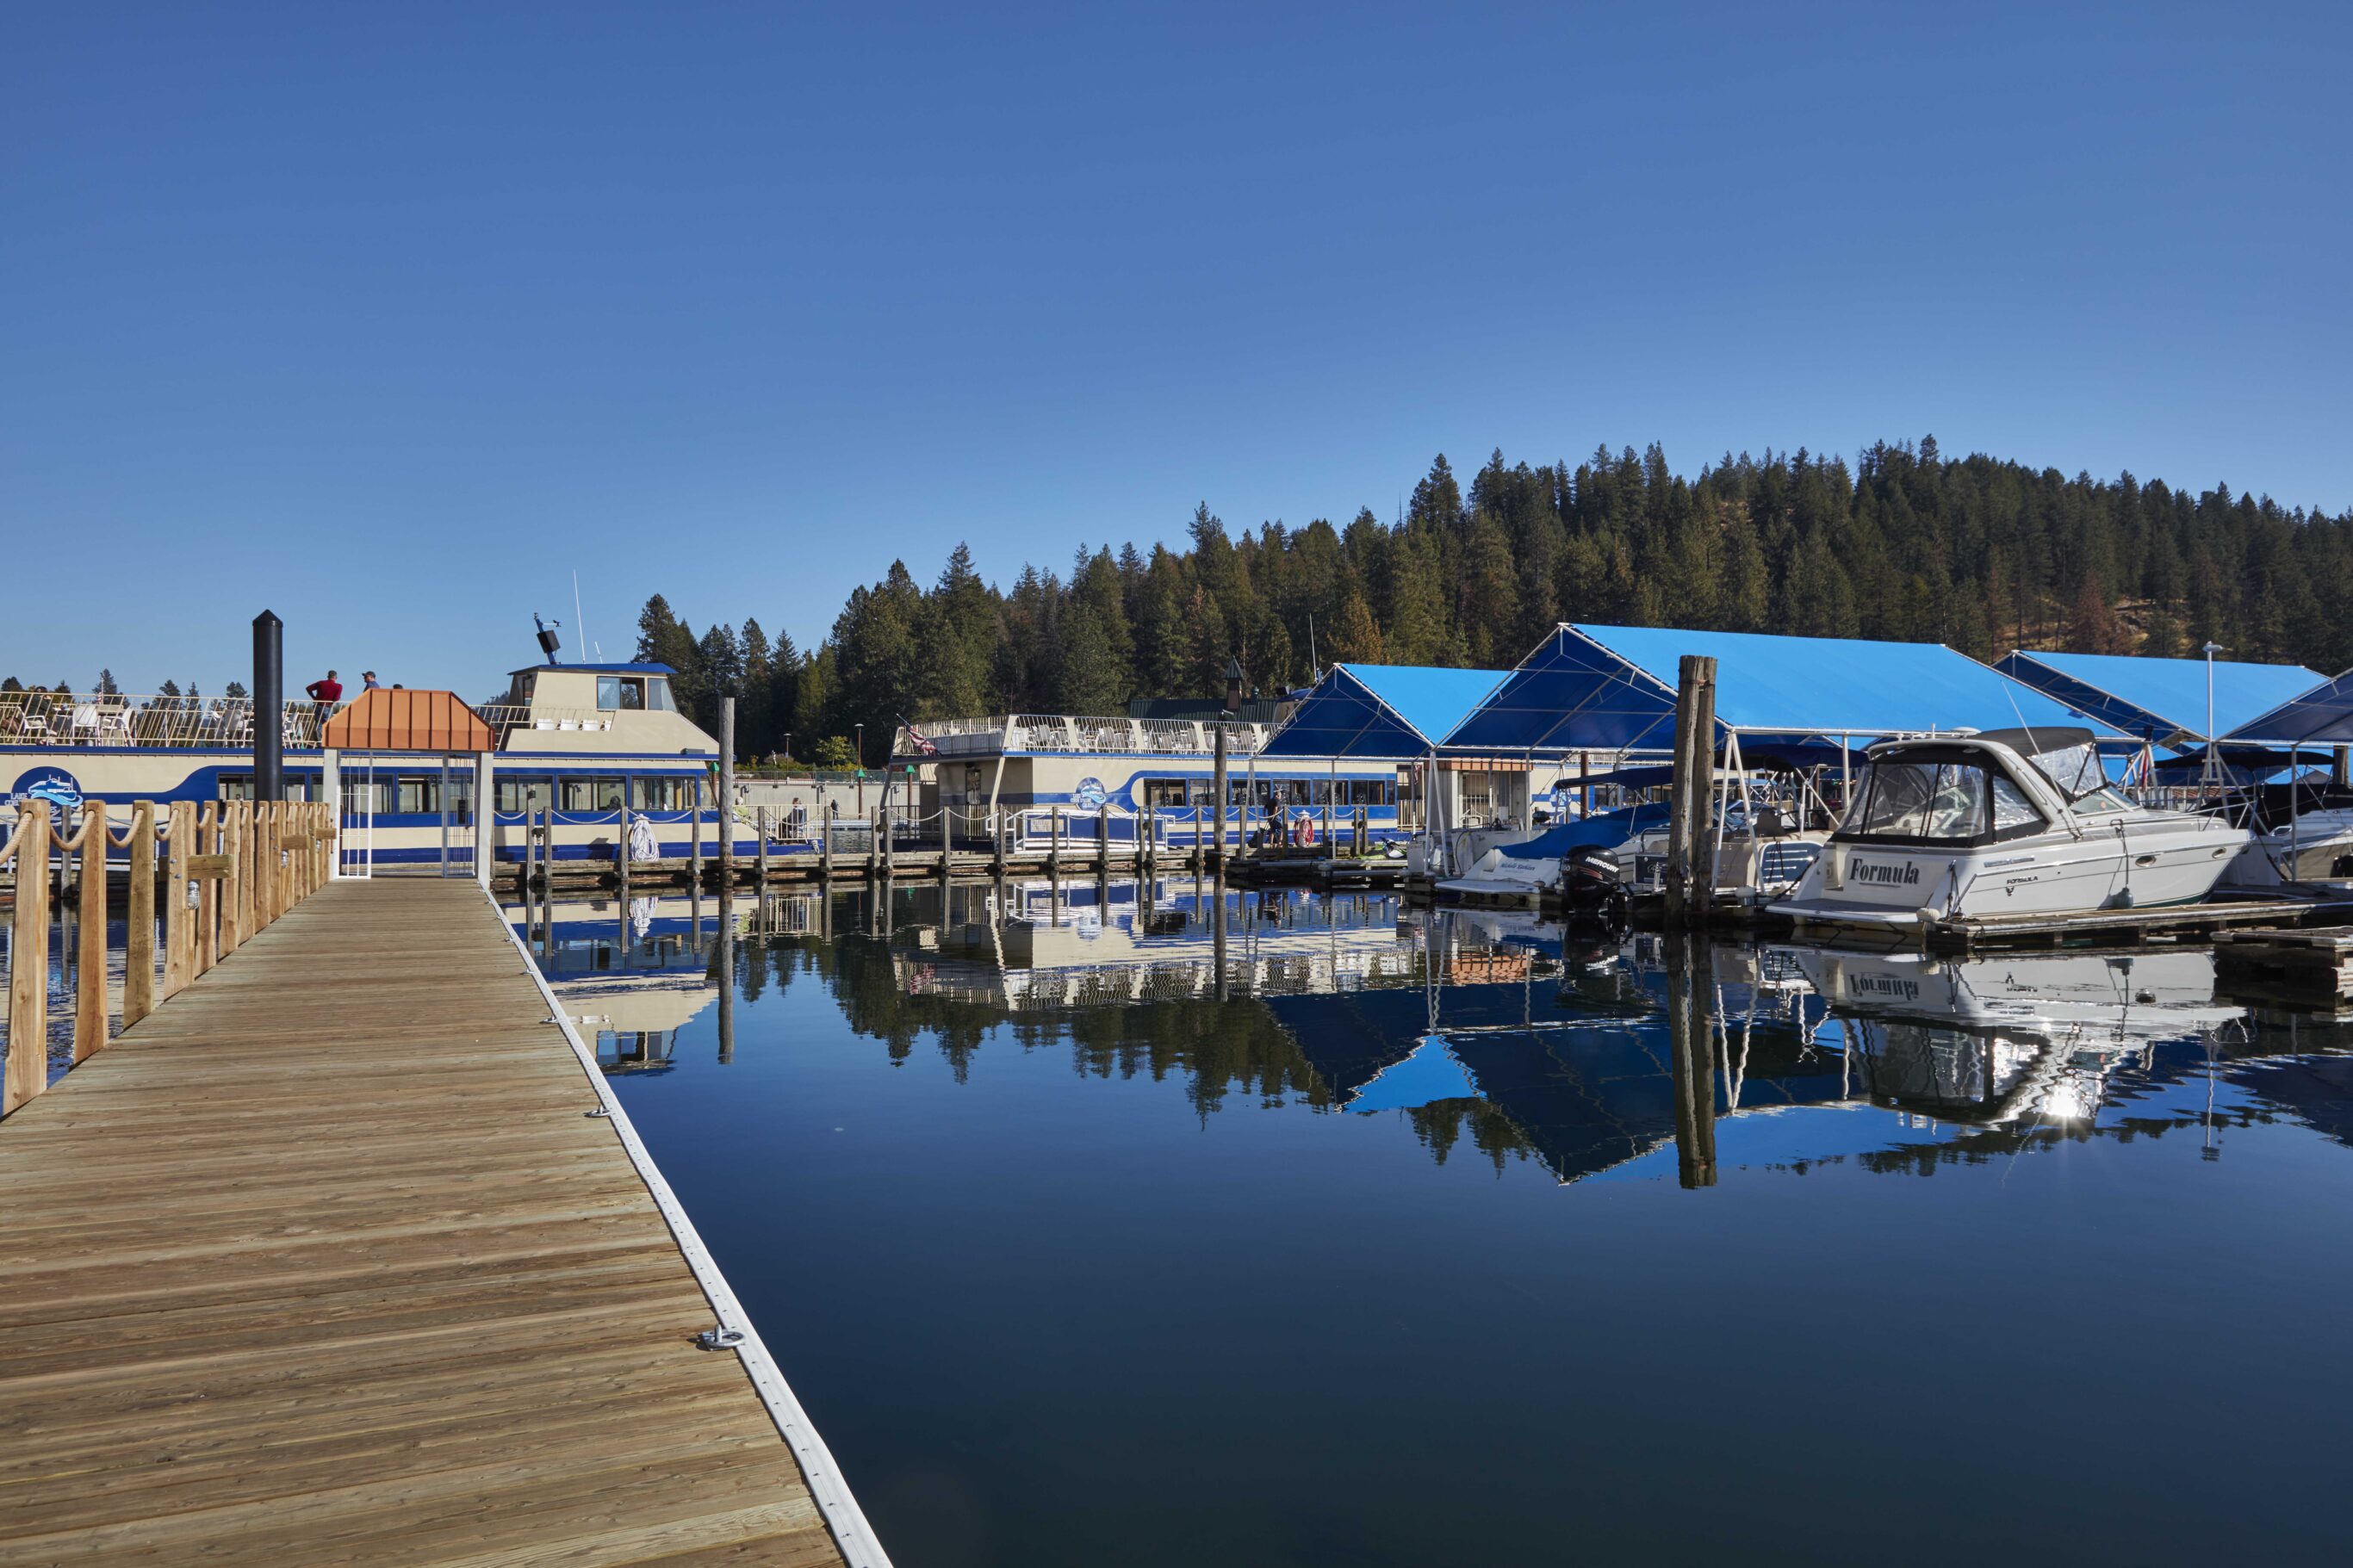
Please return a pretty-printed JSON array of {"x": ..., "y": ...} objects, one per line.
[{"x": 2212, "y": 774}]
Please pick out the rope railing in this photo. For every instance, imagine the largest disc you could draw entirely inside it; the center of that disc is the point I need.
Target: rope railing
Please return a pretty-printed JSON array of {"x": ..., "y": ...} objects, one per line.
[{"x": 233, "y": 867}]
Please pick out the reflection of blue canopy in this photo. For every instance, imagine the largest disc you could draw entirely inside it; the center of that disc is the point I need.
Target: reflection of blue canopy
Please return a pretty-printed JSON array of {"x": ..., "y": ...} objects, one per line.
[
  {"x": 2323, "y": 715},
  {"x": 1396, "y": 711},
  {"x": 1608, "y": 688},
  {"x": 2154, "y": 698}
]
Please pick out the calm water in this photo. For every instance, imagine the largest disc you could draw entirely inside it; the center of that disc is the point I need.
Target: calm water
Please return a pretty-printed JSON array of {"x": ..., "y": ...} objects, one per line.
[{"x": 1435, "y": 1239}]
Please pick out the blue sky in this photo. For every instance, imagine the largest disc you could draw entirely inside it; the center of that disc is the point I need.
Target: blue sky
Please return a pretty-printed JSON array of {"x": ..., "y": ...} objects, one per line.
[{"x": 390, "y": 318}]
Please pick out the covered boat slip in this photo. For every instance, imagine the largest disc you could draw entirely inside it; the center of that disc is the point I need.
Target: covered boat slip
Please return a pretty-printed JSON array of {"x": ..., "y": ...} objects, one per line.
[
  {"x": 2162, "y": 701},
  {"x": 326, "y": 1260}
]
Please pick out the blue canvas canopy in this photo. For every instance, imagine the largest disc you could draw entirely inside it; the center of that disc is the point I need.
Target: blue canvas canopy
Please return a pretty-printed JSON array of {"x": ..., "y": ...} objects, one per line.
[
  {"x": 2322, "y": 715},
  {"x": 2156, "y": 698},
  {"x": 1398, "y": 710},
  {"x": 1613, "y": 688}
]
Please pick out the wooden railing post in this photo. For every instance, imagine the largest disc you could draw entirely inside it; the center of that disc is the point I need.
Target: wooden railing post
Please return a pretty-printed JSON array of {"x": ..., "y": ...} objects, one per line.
[
  {"x": 179, "y": 919},
  {"x": 28, "y": 975},
  {"x": 208, "y": 907},
  {"x": 238, "y": 885},
  {"x": 139, "y": 932},
  {"x": 89, "y": 919}
]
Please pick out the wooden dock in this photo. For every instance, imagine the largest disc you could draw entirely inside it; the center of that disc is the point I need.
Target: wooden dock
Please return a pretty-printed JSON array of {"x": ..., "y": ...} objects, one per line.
[{"x": 326, "y": 1261}]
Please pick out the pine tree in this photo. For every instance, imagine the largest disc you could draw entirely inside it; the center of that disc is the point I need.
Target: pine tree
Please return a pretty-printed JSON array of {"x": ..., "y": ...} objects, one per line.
[
  {"x": 1355, "y": 637},
  {"x": 755, "y": 721}
]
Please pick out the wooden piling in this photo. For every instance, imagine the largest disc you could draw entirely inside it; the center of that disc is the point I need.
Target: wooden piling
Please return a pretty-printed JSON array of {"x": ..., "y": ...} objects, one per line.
[
  {"x": 1694, "y": 767},
  {"x": 209, "y": 905},
  {"x": 179, "y": 919},
  {"x": 1217, "y": 795},
  {"x": 138, "y": 939},
  {"x": 90, "y": 920},
  {"x": 695, "y": 868},
  {"x": 760, "y": 824},
  {"x": 726, "y": 796},
  {"x": 28, "y": 1072}
]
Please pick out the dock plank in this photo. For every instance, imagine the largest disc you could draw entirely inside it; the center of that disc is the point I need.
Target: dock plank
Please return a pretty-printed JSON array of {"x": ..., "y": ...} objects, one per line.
[{"x": 322, "y": 1263}]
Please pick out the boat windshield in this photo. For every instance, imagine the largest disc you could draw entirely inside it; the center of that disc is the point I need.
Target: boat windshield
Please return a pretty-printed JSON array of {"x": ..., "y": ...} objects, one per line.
[
  {"x": 2075, "y": 769},
  {"x": 1922, "y": 802}
]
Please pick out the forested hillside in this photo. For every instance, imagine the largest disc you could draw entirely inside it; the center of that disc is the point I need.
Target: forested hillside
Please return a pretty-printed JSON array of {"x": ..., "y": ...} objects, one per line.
[{"x": 1982, "y": 554}]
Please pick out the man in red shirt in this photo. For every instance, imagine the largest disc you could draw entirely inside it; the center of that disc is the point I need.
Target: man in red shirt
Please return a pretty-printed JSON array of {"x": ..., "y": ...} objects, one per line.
[{"x": 325, "y": 695}]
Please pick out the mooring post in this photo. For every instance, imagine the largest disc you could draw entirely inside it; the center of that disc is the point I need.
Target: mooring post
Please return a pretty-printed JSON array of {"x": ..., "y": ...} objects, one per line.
[
  {"x": 621, "y": 857},
  {"x": 268, "y": 706},
  {"x": 28, "y": 1072},
  {"x": 1687, "y": 810},
  {"x": 1703, "y": 815},
  {"x": 883, "y": 836},
  {"x": 1103, "y": 838},
  {"x": 1217, "y": 795},
  {"x": 825, "y": 838},
  {"x": 179, "y": 927},
  {"x": 760, "y": 825},
  {"x": 694, "y": 870},
  {"x": 139, "y": 929},
  {"x": 726, "y": 792},
  {"x": 90, "y": 912},
  {"x": 1054, "y": 852}
]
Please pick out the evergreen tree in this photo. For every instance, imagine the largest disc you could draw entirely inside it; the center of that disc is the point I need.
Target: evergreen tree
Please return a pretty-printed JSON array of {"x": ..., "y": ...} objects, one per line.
[{"x": 1355, "y": 637}]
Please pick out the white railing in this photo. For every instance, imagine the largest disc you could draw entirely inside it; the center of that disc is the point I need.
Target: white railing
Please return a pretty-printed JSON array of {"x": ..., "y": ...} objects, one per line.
[
  {"x": 106, "y": 719},
  {"x": 1078, "y": 735}
]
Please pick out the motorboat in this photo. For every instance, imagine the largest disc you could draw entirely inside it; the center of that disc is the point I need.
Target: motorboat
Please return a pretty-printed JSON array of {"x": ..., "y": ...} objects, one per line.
[
  {"x": 2315, "y": 848},
  {"x": 2003, "y": 822}
]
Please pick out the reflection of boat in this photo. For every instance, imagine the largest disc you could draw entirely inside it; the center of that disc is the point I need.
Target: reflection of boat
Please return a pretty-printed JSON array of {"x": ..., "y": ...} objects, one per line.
[
  {"x": 2158, "y": 994},
  {"x": 2010, "y": 822},
  {"x": 2000, "y": 1039}
]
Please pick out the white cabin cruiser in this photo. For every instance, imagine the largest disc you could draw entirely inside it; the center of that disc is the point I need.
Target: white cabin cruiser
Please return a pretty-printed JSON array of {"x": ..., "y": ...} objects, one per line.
[
  {"x": 2006, "y": 821},
  {"x": 2315, "y": 848}
]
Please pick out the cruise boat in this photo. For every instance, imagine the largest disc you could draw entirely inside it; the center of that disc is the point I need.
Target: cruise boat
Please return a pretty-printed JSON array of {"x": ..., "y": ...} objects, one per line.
[
  {"x": 578, "y": 741},
  {"x": 2004, "y": 822}
]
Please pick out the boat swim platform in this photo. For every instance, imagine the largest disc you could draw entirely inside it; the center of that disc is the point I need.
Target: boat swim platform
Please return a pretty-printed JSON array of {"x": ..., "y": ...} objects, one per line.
[{"x": 327, "y": 1260}]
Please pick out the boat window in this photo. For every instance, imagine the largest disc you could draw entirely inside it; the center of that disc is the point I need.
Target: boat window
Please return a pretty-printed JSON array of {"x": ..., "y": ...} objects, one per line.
[
  {"x": 2011, "y": 810},
  {"x": 661, "y": 794},
  {"x": 522, "y": 795},
  {"x": 1164, "y": 793},
  {"x": 522, "y": 688},
  {"x": 1898, "y": 793},
  {"x": 418, "y": 793},
  {"x": 2101, "y": 802},
  {"x": 1958, "y": 809},
  {"x": 658, "y": 694},
  {"x": 591, "y": 795},
  {"x": 620, "y": 693}
]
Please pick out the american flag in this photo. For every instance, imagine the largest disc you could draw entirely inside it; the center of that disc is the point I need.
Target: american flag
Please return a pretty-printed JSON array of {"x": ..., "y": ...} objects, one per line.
[{"x": 922, "y": 744}]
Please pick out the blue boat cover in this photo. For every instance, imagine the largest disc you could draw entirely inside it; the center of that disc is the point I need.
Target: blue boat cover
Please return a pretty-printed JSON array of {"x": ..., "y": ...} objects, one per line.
[
  {"x": 2154, "y": 698},
  {"x": 2323, "y": 714},
  {"x": 1612, "y": 688},
  {"x": 1602, "y": 830},
  {"x": 1396, "y": 710}
]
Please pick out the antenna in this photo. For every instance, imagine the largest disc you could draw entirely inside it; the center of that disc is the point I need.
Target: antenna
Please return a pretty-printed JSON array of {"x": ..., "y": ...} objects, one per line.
[{"x": 579, "y": 621}]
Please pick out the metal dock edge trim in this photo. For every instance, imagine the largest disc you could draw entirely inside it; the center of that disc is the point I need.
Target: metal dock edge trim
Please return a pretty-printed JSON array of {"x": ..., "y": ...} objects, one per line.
[{"x": 860, "y": 1546}]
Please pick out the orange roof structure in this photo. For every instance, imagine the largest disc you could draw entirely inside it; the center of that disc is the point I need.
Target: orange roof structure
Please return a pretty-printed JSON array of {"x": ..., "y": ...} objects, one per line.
[{"x": 403, "y": 721}]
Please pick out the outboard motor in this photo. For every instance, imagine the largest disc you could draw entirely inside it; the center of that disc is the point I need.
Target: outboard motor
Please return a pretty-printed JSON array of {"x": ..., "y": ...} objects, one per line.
[
  {"x": 1590, "y": 893},
  {"x": 548, "y": 643}
]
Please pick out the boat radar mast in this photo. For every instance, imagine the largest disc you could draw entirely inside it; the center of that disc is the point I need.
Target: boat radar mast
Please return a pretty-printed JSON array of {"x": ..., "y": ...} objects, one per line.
[{"x": 548, "y": 641}]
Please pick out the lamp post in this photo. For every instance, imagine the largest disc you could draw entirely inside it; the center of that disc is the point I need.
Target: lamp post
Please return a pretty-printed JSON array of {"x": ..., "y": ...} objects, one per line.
[{"x": 2212, "y": 774}]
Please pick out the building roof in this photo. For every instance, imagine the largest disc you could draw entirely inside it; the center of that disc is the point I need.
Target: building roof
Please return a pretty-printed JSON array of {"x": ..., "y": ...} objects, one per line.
[
  {"x": 1613, "y": 688},
  {"x": 2154, "y": 698},
  {"x": 397, "y": 718},
  {"x": 1398, "y": 710}
]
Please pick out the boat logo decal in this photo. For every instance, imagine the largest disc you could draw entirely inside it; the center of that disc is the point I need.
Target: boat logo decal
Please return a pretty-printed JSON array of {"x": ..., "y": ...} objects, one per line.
[
  {"x": 58, "y": 787},
  {"x": 1089, "y": 794}
]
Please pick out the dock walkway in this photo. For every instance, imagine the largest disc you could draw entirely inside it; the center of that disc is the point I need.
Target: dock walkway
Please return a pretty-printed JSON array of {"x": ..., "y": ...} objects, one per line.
[{"x": 325, "y": 1262}]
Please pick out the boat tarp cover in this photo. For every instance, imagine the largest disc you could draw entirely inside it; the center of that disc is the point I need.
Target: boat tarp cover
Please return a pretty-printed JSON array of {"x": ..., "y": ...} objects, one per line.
[
  {"x": 1395, "y": 711},
  {"x": 2324, "y": 715},
  {"x": 1603, "y": 830},
  {"x": 1605, "y": 687},
  {"x": 2153, "y": 697}
]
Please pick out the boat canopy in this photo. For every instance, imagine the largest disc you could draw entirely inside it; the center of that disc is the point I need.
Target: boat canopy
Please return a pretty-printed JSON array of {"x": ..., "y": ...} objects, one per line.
[
  {"x": 1613, "y": 688},
  {"x": 1373, "y": 710},
  {"x": 2156, "y": 699},
  {"x": 2321, "y": 715}
]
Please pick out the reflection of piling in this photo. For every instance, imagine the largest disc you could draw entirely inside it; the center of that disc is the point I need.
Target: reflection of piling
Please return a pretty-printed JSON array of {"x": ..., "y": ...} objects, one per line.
[
  {"x": 1690, "y": 1040},
  {"x": 1218, "y": 924},
  {"x": 726, "y": 973},
  {"x": 726, "y": 793}
]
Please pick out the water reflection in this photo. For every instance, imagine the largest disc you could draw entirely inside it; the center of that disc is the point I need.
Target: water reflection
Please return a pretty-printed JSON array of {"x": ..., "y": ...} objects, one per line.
[{"x": 1531, "y": 1045}]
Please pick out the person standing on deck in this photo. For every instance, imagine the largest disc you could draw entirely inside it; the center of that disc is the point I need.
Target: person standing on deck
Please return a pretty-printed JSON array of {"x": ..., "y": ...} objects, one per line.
[
  {"x": 367, "y": 681},
  {"x": 325, "y": 695}
]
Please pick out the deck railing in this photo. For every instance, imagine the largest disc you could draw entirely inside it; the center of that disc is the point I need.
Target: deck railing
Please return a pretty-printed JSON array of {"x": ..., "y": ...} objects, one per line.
[
  {"x": 231, "y": 869},
  {"x": 1078, "y": 735},
  {"x": 111, "y": 719}
]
